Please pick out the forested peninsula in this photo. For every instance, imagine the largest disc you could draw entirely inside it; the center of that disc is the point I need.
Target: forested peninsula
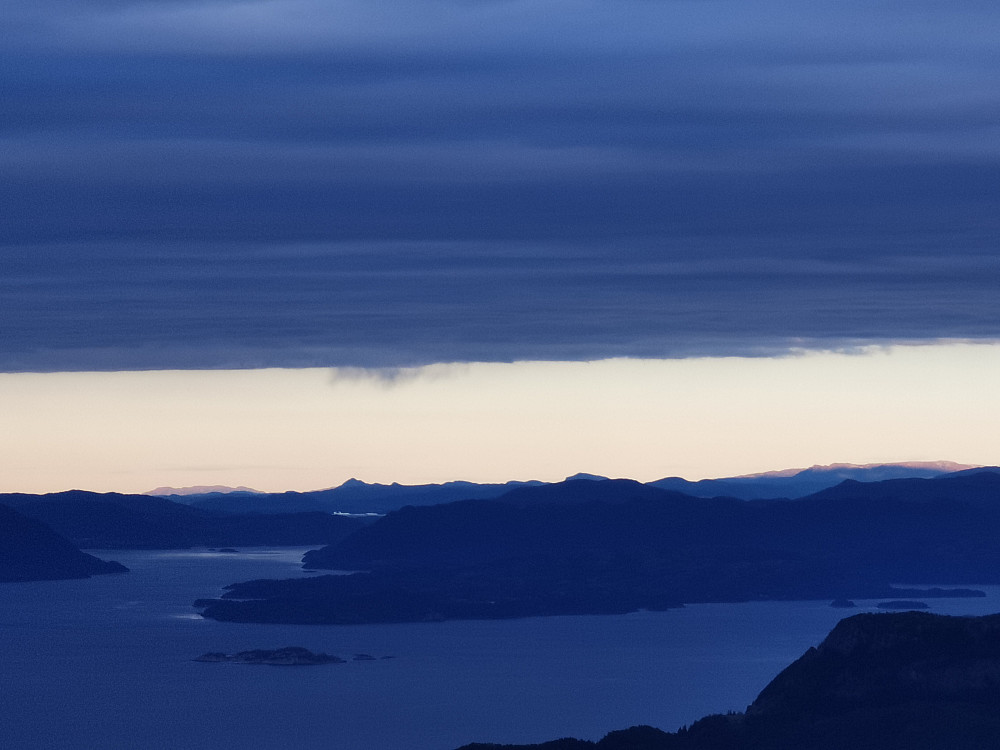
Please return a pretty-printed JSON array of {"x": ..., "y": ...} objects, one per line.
[{"x": 597, "y": 547}]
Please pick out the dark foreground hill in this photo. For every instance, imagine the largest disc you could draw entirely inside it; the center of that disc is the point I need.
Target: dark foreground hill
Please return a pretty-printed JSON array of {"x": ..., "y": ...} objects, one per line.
[
  {"x": 582, "y": 547},
  {"x": 907, "y": 681},
  {"x": 114, "y": 521},
  {"x": 30, "y": 551}
]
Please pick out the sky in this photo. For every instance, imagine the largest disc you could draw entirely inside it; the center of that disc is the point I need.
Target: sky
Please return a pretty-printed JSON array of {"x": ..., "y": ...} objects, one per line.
[{"x": 517, "y": 199}]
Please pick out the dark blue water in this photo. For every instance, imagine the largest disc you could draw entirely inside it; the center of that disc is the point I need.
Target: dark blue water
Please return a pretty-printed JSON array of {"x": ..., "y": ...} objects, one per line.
[{"x": 106, "y": 663}]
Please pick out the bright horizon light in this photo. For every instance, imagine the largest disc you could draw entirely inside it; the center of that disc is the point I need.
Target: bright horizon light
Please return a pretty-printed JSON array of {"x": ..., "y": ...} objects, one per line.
[{"x": 285, "y": 429}]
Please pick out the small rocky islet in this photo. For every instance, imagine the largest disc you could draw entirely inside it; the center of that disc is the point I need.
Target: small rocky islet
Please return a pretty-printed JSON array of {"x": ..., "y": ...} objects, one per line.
[{"x": 290, "y": 656}]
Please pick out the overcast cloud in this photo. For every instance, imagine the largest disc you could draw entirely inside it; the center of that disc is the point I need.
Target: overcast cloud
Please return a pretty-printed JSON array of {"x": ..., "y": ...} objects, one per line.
[{"x": 359, "y": 184}]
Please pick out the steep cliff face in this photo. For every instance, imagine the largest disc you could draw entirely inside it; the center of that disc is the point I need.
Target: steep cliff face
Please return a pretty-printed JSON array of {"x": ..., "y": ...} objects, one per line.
[
  {"x": 31, "y": 551},
  {"x": 901, "y": 681},
  {"x": 888, "y": 659}
]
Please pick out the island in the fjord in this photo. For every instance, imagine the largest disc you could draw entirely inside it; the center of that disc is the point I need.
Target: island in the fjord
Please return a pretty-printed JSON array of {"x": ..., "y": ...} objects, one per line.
[
  {"x": 31, "y": 551},
  {"x": 289, "y": 656},
  {"x": 899, "y": 681},
  {"x": 615, "y": 546}
]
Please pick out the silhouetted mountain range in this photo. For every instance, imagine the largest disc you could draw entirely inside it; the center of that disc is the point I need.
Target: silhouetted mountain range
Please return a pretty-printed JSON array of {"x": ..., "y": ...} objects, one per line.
[
  {"x": 31, "y": 551},
  {"x": 794, "y": 483},
  {"x": 907, "y": 681},
  {"x": 355, "y": 496},
  {"x": 582, "y": 547},
  {"x": 115, "y": 521},
  {"x": 200, "y": 490}
]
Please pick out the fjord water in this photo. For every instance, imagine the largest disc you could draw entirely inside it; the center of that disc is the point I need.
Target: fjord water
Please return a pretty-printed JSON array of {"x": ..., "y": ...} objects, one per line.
[{"x": 107, "y": 663}]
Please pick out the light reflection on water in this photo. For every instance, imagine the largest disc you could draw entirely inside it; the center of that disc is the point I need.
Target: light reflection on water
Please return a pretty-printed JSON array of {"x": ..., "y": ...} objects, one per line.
[
  {"x": 290, "y": 555},
  {"x": 107, "y": 663}
]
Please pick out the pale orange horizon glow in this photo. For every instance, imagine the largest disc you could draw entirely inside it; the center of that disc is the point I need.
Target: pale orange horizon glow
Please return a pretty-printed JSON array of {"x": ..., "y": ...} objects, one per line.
[{"x": 277, "y": 430}]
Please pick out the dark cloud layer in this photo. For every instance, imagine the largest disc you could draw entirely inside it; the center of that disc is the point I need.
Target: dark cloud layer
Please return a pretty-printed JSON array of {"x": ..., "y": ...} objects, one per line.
[{"x": 295, "y": 182}]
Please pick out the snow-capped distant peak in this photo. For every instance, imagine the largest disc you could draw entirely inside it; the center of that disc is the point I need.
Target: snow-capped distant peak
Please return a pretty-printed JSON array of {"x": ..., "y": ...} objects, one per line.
[{"x": 199, "y": 490}]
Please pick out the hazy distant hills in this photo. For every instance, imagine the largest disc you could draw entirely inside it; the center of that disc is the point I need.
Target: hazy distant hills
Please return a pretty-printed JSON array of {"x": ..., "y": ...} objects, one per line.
[
  {"x": 355, "y": 496},
  {"x": 590, "y": 547},
  {"x": 200, "y": 490},
  {"x": 30, "y": 551},
  {"x": 794, "y": 483},
  {"x": 907, "y": 681},
  {"x": 975, "y": 487},
  {"x": 115, "y": 521}
]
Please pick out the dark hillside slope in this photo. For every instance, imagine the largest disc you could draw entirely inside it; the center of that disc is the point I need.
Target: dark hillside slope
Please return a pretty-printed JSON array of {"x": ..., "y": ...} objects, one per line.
[
  {"x": 569, "y": 519},
  {"x": 898, "y": 530},
  {"x": 116, "y": 521},
  {"x": 907, "y": 681},
  {"x": 933, "y": 530},
  {"x": 30, "y": 551},
  {"x": 980, "y": 487}
]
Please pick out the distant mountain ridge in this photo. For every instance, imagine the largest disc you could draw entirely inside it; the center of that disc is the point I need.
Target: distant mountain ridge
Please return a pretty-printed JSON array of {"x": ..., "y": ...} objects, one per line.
[
  {"x": 796, "y": 483},
  {"x": 939, "y": 467},
  {"x": 200, "y": 490},
  {"x": 353, "y": 497},
  {"x": 358, "y": 497}
]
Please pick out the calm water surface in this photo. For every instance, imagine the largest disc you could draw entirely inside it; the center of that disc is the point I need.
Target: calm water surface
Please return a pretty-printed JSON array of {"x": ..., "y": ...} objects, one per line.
[{"x": 107, "y": 663}]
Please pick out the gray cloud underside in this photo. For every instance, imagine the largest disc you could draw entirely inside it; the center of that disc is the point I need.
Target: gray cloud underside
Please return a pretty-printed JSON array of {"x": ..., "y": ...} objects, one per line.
[{"x": 292, "y": 183}]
